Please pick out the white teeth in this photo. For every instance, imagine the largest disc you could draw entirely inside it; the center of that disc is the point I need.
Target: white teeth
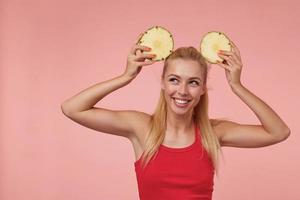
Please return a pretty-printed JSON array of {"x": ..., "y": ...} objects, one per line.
[{"x": 181, "y": 101}]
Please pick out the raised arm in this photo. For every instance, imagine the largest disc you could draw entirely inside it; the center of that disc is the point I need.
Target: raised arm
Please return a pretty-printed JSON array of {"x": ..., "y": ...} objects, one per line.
[
  {"x": 272, "y": 129},
  {"x": 80, "y": 108}
]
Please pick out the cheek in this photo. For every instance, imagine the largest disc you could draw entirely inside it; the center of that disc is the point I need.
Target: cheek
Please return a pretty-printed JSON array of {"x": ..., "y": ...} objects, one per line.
[
  {"x": 170, "y": 89},
  {"x": 196, "y": 92}
]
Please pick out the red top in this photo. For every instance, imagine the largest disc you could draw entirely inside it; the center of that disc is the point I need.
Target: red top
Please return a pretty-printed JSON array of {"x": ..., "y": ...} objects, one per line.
[{"x": 177, "y": 173}]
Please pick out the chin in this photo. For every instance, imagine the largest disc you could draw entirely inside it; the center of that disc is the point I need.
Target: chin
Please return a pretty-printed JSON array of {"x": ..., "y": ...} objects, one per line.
[{"x": 181, "y": 109}]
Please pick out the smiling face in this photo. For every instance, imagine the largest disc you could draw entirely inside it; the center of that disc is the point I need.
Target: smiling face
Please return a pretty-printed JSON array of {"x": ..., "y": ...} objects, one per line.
[{"x": 183, "y": 86}]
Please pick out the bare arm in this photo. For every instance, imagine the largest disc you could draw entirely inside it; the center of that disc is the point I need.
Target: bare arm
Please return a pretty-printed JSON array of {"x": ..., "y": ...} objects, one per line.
[
  {"x": 86, "y": 99},
  {"x": 272, "y": 129},
  {"x": 80, "y": 108}
]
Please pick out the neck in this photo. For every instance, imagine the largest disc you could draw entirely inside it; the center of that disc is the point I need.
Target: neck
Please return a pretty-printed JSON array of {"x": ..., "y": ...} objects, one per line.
[{"x": 179, "y": 125}]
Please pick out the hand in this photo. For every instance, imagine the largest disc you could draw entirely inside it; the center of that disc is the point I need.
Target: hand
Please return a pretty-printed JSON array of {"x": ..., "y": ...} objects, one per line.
[
  {"x": 136, "y": 59},
  {"x": 232, "y": 64}
]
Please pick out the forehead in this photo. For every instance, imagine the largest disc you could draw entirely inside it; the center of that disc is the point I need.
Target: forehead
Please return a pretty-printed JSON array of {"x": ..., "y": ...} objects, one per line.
[{"x": 183, "y": 68}]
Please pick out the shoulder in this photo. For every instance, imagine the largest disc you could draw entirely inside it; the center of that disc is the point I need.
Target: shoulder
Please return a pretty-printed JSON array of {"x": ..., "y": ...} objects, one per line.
[
  {"x": 220, "y": 126},
  {"x": 141, "y": 125},
  {"x": 140, "y": 122},
  {"x": 138, "y": 116}
]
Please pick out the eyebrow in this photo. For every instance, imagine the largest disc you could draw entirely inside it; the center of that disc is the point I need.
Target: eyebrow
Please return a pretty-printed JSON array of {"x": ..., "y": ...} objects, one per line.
[{"x": 189, "y": 78}]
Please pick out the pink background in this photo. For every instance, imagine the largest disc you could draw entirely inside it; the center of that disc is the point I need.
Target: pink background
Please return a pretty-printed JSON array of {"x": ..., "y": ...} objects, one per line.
[{"x": 53, "y": 49}]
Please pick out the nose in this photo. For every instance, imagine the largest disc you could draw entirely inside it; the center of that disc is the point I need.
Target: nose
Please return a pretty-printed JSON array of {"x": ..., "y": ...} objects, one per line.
[{"x": 182, "y": 90}]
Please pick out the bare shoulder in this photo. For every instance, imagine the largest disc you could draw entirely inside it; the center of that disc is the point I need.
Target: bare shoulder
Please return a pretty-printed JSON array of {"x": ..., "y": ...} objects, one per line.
[
  {"x": 142, "y": 127},
  {"x": 219, "y": 126},
  {"x": 233, "y": 134},
  {"x": 125, "y": 123},
  {"x": 141, "y": 121}
]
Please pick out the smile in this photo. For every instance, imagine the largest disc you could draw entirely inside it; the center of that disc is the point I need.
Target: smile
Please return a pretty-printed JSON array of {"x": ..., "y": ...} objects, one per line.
[{"x": 181, "y": 102}]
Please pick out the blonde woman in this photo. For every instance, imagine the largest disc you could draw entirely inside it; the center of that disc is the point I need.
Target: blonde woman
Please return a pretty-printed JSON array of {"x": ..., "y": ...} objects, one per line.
[{"x": 177, "y": 147}]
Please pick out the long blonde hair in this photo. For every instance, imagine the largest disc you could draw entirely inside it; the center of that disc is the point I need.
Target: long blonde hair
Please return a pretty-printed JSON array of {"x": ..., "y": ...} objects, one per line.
[{"x": 157, "y": 124}]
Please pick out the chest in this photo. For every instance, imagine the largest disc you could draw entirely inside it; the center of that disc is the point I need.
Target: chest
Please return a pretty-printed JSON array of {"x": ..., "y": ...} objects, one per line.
[
  {"x": 187, "y": 172},
  {"x": 138, "y": 144}
]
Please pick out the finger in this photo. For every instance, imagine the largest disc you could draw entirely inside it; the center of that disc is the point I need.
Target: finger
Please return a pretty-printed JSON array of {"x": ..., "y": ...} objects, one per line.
[
  {"x": 229, "y": 54},
  {"x": 223, "y": 52},
  {"x": 229, "y": 61},
  {"x": 232, "y": 44},
  {"x": 224, "y": 57},
  {"x": 234, "y": 48},
  {"x": 133, "y": 49},
  {"x": 139, "y": 48},
  {"x": 142, "y": 57},
  {"x": 148, "y": 62},
  {"x": 138, "y": 52},
  {"x": 232, "y": 52},
  {"x": 223, "y": 65}
]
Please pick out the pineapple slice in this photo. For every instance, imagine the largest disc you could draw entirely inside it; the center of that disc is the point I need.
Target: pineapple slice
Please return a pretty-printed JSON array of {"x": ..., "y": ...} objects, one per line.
[
  {"x": 160, "y": 40},
  {"x": 211, "y": 43}
]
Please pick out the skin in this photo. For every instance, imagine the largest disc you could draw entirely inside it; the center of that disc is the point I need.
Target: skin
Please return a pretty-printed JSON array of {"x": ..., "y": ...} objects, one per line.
[
  {"x": 183, "y": 80},
  {"x": 132, "y": 124},
  {"x": 272, "y": 128}
]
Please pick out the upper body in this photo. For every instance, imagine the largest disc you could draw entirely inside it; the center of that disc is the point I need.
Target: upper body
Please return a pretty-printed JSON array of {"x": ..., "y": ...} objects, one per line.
[{"x": 183, "y": 86}]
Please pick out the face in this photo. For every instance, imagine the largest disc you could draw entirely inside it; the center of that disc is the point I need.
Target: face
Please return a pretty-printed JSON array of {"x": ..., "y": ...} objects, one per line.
[{"x": 183, "y": 86}]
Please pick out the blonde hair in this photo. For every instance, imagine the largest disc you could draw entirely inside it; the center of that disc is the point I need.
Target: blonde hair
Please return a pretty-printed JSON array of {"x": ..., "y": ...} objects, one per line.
[{"x": 157, "y": 124}]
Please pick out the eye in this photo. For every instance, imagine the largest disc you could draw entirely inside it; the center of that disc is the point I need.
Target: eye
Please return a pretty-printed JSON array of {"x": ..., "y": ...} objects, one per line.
[
  {"x": 194, "y": 82},
  {"x": 174, "y": 80}
]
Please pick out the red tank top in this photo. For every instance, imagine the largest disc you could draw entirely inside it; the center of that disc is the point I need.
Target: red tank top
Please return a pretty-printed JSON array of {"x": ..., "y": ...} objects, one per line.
[{"x": 177, "y": 173}]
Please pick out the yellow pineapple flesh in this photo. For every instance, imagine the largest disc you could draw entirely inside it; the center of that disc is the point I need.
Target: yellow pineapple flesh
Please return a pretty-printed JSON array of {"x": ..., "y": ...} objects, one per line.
[
  {"x": 211, "y": 43},
  {"x": 160, "y": 40}
]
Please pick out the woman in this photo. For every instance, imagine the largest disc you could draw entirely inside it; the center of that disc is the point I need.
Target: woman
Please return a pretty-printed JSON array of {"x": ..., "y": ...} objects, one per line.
[{"x": 177, "y": 147}]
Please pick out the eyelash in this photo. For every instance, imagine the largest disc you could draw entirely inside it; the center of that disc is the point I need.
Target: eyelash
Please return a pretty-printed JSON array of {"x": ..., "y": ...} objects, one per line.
[{"x": 172, "y": 79}]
